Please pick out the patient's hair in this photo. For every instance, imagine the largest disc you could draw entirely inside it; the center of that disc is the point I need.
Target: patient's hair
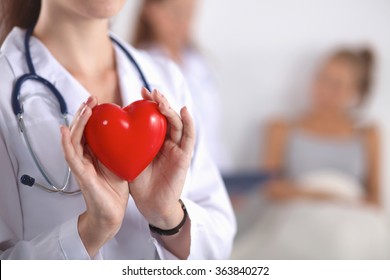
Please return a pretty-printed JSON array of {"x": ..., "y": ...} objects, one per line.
[
  {"x": 362, "y": 61},
  {"x": 22, "y": 13}
]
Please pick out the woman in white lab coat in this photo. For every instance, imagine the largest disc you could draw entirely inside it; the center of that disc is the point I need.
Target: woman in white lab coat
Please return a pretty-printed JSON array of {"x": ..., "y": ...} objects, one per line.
[
  {"x": 110, "y": 219},
  {"x": 164, "y": 29}
]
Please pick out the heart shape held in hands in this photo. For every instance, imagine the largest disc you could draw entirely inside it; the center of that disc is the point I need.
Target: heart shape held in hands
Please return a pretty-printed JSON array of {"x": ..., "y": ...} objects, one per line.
[{"x": 126, "y": 140}]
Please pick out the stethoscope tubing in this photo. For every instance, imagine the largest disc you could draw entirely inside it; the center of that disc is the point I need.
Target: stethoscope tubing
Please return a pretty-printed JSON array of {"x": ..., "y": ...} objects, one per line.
[{"x": 17, "y": 108}]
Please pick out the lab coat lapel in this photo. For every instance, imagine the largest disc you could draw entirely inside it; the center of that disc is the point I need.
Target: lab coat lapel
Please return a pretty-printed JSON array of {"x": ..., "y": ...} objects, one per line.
[{"x": 49, "y": 68}]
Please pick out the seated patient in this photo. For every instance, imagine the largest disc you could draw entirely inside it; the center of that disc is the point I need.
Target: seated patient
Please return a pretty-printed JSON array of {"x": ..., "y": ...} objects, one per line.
[
  {"x": 324, "y": 204},
  {"x": 326, "y": 153}
]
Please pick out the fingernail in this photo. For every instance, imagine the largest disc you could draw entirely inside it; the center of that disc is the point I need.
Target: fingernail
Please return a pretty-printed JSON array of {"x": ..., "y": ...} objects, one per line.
[
  {"x": 88, "y": 100},
  {"x": 146, "y": 90}
]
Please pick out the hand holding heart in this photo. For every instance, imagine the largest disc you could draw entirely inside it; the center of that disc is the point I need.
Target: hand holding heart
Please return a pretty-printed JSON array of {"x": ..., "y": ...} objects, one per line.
[
  {"x": 105, "y": 194},
  {"x": 156, "y": 190}
]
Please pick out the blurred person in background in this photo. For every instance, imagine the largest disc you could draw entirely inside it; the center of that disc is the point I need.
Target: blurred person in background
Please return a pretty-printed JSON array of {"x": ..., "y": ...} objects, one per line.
[
  {"x": 327, "y": 142},
  {"x": 164, "y": 30},
  {"x": 325, "y": 201}
]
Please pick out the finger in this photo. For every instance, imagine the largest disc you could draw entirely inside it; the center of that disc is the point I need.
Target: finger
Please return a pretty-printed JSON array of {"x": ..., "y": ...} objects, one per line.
[
  {"x": 145, "y": 93},
  {"x": 188, "y": 139},
  {"x": 157, "y": 96},
  {"x": 174, "y": 120},
  {"x": 77, "y": 130},
  {"x": 91, "y": 102},
  {"x": 71, "y": 157}
]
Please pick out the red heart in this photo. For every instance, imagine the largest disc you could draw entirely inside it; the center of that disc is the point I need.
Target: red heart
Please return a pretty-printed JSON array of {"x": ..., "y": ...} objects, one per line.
[{"x": 126, "y": 140}]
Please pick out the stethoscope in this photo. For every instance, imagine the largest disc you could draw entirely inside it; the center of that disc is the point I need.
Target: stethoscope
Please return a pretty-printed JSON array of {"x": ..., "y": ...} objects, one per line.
[{"x": 18, "y": 111}]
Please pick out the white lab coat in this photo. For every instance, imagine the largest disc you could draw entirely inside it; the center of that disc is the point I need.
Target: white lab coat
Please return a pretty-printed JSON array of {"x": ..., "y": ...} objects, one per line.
[
  {"x": 35, "y": 224},
  {"x": 207, "y": 102}
]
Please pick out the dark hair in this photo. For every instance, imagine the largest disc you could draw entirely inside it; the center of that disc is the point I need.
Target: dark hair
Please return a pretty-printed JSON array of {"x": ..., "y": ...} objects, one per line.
[
  {"x": 143, "y": 31},
  {"x": 363, "y": 61},
  {"x": 22, "y": 13}
]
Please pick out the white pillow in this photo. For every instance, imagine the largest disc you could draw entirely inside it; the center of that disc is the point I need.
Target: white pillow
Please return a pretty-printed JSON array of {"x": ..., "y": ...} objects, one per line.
[{"x": 333, "y": 182}]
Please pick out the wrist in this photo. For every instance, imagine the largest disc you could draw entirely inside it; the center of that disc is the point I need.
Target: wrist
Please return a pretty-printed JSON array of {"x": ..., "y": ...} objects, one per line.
[
  {"x": 93, "y": 235},
  {"x": 167, "y": 220},
  {"x": 174, "y": 230}
]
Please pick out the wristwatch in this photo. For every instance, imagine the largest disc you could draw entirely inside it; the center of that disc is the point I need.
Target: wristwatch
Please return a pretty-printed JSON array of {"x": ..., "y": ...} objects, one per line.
[{"x": 173, "y": 231}]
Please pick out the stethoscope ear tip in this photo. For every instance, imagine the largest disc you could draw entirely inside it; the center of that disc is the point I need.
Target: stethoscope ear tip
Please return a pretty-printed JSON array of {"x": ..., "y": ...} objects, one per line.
[{"x": 27, "y": 180}]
